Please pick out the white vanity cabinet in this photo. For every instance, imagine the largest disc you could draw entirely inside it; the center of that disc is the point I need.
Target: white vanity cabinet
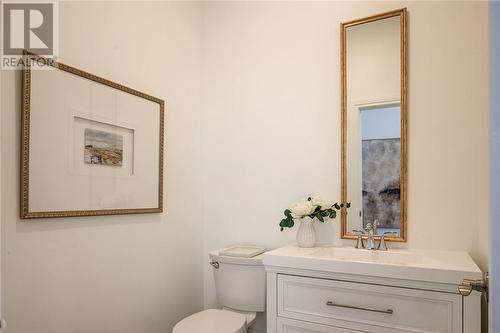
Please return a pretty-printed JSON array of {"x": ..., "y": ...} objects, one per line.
[{"x": 313, "y": 291}]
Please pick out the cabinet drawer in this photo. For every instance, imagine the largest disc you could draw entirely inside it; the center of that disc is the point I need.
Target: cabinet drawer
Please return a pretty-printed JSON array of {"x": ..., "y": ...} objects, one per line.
[
  {"x": 294, "y": 326},
  {"x": 373, "y": 308}
]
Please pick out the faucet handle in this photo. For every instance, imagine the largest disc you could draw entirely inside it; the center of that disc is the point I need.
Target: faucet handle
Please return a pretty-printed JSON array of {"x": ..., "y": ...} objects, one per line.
[
  {"x": 359, "y": 242},
  {"x": 382, "y": 246}
]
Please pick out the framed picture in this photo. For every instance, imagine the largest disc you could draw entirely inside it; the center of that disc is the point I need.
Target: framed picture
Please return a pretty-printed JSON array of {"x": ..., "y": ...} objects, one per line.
[{"x": 89, "y": 146}]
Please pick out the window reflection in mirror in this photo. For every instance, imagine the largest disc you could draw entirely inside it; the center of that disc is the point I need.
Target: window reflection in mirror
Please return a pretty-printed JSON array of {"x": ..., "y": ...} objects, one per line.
[{"x": 380, "y": 168}]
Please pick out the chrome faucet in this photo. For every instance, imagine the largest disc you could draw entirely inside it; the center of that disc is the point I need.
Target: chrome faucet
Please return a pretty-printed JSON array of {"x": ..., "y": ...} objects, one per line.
[
  {"x": 370, "y": 242},
  {"x": 371, "y": 245}
]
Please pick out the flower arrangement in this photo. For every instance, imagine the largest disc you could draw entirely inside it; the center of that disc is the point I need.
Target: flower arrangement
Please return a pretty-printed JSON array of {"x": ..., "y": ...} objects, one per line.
[{"x": 313, "y": 207}]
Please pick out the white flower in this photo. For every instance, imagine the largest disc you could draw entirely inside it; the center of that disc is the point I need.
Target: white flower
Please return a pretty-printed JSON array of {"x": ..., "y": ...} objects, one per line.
[
  {"x": 302, "y": 208},
  {"x": 319, "y": 201}
]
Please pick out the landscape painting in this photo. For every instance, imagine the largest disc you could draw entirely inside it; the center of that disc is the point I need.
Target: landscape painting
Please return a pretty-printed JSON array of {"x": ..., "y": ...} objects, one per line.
[{"x": 103, "y": 148}]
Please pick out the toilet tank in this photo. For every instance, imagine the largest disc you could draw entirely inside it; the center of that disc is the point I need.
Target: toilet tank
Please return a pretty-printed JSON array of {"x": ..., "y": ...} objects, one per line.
[{"x": 240, "y": 283}]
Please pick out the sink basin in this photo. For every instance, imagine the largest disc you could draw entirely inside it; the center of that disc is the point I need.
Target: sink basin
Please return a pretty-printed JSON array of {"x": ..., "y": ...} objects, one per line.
[
  {"x": 352, "y": 254},
  {"x": 449, "y": 267}
]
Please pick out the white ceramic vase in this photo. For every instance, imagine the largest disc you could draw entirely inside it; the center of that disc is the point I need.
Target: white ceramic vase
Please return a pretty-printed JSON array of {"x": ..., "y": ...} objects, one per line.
[{"x": 306, "y": 235}]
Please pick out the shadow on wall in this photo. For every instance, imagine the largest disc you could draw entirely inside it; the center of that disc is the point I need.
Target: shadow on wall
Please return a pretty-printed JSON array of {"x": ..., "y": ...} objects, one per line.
[{"x": 48, "y": 224}]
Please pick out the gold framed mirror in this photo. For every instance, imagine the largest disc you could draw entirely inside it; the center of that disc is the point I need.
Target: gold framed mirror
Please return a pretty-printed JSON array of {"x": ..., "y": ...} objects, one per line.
[{"x": 374, "y": 125}]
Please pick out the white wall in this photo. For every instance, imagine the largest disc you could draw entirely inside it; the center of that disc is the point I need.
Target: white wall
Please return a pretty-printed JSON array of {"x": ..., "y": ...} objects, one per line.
[
  {"x": 2, "y": 323},
  {"x": 117, "y": 273},
  {"x": 495, "y": 166},
  {"x": 268, "y": 133},
  {"x": 271, "y": 131}
]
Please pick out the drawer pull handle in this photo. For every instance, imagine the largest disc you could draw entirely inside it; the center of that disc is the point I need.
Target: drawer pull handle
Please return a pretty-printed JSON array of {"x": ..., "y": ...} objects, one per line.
[{"x": 388, "y": 311}]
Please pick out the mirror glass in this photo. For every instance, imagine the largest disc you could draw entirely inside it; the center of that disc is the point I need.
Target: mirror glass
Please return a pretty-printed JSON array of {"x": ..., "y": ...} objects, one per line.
[{"x": 374, "y": 130}]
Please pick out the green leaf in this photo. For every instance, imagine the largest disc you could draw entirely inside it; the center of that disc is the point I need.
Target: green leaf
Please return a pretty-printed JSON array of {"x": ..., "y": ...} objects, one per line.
[
  {"x": 287, "y": 222},
  {"x": 281, "y": 229},
  {"x": 348, "y": 205},
  {"x": 337, "y": 206},
  {"x": 317, "y": 209},
  {"x": 288, "y": 212},
  {"x": 333, "y": 214},
  {"x": 320, "y": 217}
]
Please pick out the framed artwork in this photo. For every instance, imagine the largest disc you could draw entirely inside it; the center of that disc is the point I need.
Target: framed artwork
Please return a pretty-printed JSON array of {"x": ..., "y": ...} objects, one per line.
[{"x": 89, "y": 146}]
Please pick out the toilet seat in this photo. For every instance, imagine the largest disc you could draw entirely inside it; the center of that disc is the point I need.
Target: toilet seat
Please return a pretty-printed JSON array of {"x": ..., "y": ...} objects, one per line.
[{"x": 212, "y": 321}]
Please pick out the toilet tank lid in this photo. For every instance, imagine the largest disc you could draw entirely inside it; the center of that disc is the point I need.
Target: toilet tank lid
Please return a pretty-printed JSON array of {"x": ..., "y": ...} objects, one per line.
[
  {"x": 222, "y": 256},
  {"x": 242, "y": 251}
]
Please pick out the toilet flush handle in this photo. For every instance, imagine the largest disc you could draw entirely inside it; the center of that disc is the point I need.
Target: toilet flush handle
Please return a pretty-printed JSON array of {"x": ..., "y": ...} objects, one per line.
[{"x": 215, "y": 264}]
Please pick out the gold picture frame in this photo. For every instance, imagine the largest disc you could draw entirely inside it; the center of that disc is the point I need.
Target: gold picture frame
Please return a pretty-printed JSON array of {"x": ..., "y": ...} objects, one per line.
[
  {"x": 25, "y": 212},
  {"x": 402, "y": 13}
]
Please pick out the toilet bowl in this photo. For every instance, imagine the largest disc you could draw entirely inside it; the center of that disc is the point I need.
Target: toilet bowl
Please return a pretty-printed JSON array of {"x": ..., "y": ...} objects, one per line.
[
  {"x": 212, "y": 321},
  {"x": 241, "y": 290}
]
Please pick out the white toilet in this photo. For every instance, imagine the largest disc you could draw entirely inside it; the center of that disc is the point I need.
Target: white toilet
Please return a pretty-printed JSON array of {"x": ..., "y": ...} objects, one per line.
[{"x": 240, "y": 283}]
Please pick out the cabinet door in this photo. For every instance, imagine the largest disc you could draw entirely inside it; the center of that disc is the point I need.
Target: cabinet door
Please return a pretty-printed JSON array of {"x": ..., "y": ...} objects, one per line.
[{"x": 296, "y": 326}]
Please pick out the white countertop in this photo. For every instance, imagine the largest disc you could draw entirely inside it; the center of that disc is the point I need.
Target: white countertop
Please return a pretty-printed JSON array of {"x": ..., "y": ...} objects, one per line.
[{"x": 449, "y": 267}]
